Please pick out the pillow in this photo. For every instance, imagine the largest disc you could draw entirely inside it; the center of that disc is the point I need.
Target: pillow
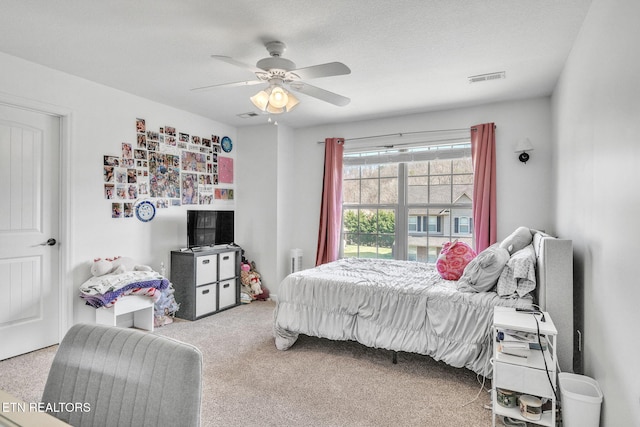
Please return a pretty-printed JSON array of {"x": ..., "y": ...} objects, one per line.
[
  {"x": 517, "y": 240},
  {"x": 482, "y": 273},
  {"x": 519, "y": 275},
  {"x": 453, "y": 258}
]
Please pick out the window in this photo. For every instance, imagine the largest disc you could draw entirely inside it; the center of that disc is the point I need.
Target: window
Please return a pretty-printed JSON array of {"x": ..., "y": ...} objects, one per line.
[
  {"x": 425, "y": 223},
  {"x": 370, "y": 198},
  {"x": 405, "y": 204},
  {"x": 463, "y": 225},
  {"x": 413, "y": 223},
  {"x": 435, "y": 224}
]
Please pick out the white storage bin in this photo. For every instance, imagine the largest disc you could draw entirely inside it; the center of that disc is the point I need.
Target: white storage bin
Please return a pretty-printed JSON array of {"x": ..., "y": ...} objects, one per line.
[
  {"x": 206, "y": 269},
  {"x": 206, "y": 299},
  {"x": 227, "y": 294},
  {"x": 581, "y": 400},
  {"x": 227, "y": 265}
]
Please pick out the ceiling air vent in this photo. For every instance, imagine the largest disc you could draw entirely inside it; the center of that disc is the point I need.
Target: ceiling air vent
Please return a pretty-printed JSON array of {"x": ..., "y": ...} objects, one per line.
[
  {"x": 248, "y": 115},
  {"x": 486, "y": 77}
]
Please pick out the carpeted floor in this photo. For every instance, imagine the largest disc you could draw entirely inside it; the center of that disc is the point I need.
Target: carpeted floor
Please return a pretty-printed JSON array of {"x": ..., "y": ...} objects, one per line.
[{"x": 247, "y": 382}]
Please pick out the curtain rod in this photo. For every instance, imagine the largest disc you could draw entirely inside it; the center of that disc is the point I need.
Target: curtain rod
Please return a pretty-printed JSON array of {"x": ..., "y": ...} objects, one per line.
[{"x": 402, "y": 134}]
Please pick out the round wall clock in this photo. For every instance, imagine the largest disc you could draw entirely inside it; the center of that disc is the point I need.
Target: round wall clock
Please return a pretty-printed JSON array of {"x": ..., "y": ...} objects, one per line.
[
  {"x": 145, "y": 211},
  {"x": 226, "y": 144}
]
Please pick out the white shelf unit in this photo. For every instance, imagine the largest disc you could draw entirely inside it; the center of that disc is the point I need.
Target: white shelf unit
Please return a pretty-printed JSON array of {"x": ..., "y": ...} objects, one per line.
[
  {"x": 141, "y": 307},
  {"x": 525, "y": 375}
]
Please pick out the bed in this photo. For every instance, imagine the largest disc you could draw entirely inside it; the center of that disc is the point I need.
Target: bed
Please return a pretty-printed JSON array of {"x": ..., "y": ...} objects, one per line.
[{"x": 407, "y": 306}]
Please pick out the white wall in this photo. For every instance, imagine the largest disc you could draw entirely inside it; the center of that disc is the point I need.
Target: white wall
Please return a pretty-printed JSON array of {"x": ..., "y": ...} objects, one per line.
[
  {"x": 266, "y": 179},
  {"x": 101, "y": 119},
  {"x": 257, "y": 208},
  {"x": 524, "y": 190},
  {"x": 596, "y": 111},
  {"x": 287, "y": 197}
]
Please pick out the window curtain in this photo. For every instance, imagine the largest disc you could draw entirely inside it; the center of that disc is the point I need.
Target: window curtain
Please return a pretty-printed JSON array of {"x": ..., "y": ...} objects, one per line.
[
  {"x": 331, "y": 207},
  {"x": 483, "y": 156}
]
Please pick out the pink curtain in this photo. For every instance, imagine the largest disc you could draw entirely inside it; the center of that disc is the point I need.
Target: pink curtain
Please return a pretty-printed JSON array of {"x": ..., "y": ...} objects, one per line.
[
  {"x": 331, "y": 207},
  {"x": 483, "y": 155}
]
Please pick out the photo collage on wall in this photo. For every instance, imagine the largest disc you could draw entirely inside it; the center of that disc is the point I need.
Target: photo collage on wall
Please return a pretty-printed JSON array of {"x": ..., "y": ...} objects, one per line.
[{"x": 168, "y": 167}]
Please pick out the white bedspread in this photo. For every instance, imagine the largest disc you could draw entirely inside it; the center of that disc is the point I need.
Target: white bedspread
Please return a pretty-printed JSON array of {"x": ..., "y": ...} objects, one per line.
[{"x": 395, "y": 305}]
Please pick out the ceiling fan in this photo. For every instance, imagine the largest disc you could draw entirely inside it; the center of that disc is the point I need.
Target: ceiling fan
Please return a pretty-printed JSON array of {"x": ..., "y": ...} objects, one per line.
[{"x": 281, "y": 74}]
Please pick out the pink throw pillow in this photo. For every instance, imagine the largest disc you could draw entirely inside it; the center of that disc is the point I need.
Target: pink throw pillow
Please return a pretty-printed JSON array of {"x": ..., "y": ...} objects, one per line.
[{"x": 453, "y": 258}]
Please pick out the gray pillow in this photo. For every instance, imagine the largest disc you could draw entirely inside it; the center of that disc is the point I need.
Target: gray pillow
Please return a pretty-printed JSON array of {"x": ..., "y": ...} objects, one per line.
[
  {"x": 482, "y": 273},
  {"x": 517, "y": 240}
]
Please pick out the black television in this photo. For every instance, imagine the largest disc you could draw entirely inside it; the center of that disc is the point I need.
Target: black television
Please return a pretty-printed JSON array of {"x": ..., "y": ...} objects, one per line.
[{"x": 209, "y": 228}]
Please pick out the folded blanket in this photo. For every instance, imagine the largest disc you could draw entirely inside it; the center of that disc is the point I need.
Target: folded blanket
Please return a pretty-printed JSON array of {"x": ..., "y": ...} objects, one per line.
[{"x": 103, "y": 291}]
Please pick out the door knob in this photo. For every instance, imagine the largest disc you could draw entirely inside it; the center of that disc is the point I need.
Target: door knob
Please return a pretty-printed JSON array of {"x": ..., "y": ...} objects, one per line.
[{"x": 49, "y": 242}]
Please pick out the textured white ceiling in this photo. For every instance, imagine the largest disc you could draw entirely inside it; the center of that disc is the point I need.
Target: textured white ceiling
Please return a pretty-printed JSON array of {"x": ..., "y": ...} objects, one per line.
[{"x": 406, "y": 56}]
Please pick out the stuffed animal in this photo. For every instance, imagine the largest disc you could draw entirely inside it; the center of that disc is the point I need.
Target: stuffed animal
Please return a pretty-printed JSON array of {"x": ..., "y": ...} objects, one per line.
[
  {"x": 264, "y": 296},
  {"x": 245, "y": 279},
  {"x": 100, "y": 267},
  {"x": 256, "y": 289},
  {"x": 123, "y": 264},
  {"x": 117, "y": 265},
  {"x": 251, "y": 281},
  {"x": 244, "y": 274},
  {"x": 250, "y": 278}
]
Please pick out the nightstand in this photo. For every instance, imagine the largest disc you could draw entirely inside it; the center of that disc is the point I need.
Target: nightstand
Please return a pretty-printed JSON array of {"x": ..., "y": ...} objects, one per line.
[{"x": 526, "y": 372}]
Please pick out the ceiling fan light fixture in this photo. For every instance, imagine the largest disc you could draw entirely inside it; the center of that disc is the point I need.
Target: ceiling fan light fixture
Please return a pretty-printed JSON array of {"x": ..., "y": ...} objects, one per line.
[
  {"x": 293, "y": 101},
  {"x": 274, "y": 99},
  {"x": 260, "y": 100},
  {"x": 273, "y": 110},
  {"x": 279, "y": 97}
]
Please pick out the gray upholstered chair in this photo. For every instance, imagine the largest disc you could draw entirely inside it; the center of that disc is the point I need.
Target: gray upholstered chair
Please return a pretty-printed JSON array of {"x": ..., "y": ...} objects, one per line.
[{"x": 124, "y": 377}]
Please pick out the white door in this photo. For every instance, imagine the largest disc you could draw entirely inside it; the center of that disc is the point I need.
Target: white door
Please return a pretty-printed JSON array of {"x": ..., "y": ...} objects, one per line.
[{"x": 29, "y": 200}]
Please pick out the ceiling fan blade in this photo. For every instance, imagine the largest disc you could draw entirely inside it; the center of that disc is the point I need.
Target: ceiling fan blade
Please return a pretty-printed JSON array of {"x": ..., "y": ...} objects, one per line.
[
  {"x": 323, "y": 70},
  {"x": 235, "y": 84},
  {"x": 316, "y": 92},
  {"x": 232, "y": 61}
]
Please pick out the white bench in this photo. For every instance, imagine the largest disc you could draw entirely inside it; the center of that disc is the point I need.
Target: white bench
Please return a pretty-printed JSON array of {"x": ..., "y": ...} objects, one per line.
[{"x": 141, "y": 307}]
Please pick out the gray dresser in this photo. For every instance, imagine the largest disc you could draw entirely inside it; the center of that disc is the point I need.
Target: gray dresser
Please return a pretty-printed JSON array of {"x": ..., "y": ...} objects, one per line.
[{"x": 206, "y": 281}]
